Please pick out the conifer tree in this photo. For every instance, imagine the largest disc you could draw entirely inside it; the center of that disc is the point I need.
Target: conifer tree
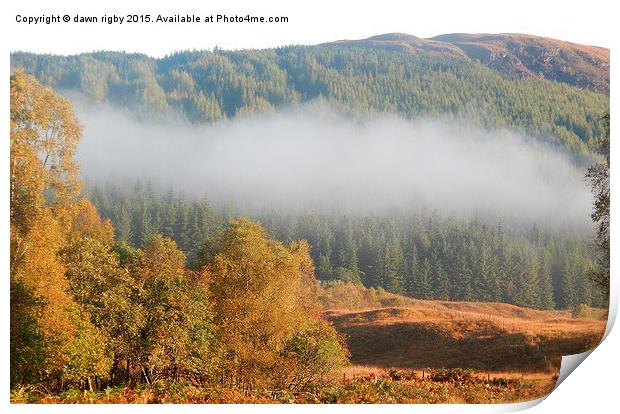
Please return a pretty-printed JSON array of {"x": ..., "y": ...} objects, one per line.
[
  {"x": 439, "y": 282},
  {"x": 546, "y": 284},
  {"x": 392, "y": 271}
]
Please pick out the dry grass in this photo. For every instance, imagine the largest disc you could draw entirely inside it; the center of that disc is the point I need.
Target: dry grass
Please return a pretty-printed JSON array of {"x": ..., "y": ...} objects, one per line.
[
  {"x": 373, "y": 385},
  {"x": 373, "y": 371},
  {"x": 488, "y": 337}
]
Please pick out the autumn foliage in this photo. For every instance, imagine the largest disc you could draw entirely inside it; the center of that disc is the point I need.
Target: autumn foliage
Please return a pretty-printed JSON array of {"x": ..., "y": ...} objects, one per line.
[{"x": 90, "y": 312}]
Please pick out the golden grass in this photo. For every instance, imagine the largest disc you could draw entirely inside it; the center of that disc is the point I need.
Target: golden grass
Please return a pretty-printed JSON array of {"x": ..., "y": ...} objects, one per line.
[
  {"x": 370, "y": 371},
  {"x": 487, "y": 337}
]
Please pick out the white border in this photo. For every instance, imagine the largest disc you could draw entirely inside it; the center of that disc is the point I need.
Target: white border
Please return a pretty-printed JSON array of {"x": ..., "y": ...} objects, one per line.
[{"x": 593, "y": 385}]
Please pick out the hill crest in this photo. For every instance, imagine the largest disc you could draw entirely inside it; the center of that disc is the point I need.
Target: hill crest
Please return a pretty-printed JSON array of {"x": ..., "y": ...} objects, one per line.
[{"x": 509, "y": 53}]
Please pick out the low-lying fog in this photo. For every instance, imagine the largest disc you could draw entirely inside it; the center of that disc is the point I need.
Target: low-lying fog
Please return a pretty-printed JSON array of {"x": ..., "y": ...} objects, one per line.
[{"x": 313, "y": 157}]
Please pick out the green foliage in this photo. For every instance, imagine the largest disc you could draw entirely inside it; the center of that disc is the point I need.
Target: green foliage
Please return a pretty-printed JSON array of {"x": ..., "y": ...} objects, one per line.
[
  {"x": 157, "y": 316},
  {"x": 203, "y": 86},
  {"x": 175, "y": 335},
  {"x": 457, "y": 375},
  {"x": 343, "y": 295},
  {"x": 269, "y": 335},
  {"x": 585, "y": 311},
  {"x": 419, "y": 255},
  {"x": 28, "y": 347},
  {"x": 311, "y": 355},
  {"x": 87, "y": 353},
  {"x": 598, "y": 176}
]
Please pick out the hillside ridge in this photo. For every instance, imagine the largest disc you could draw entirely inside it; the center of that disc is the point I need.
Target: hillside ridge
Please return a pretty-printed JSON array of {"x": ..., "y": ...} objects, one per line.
[{"x": 517, "y": 54}]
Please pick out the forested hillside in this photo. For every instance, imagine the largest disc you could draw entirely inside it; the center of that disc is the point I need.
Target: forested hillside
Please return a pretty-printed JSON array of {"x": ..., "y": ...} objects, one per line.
[
  {"x": 423, "y": 256},
  {"x": 207, "y": 86},
  {"x": 509, "y": 53}
]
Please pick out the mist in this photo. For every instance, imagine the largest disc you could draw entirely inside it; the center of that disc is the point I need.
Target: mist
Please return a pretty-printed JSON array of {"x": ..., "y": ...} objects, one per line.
[{"x": 313, "y": 157}]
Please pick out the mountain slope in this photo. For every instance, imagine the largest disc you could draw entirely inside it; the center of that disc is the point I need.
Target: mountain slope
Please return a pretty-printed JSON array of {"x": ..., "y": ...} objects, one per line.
[
  {"x": 395, "y": 74},
  {"x": 513, "y": 54}
]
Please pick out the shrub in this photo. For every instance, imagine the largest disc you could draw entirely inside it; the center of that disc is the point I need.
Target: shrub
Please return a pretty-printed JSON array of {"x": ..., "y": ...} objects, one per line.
[
  {"x": 310, "y": 355},
  {"x": 458, "y": 375}
]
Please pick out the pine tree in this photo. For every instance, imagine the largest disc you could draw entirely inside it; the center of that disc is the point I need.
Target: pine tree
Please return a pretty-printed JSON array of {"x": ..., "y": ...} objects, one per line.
[
  {"x": 347, "y": 251},
  {"x": 584, "y": 283},
  {"x": 324, "y": 267},
  {"x": 181, "y": 225},
  {"x": 463, "y": 289},
  {"x": 568, "y": 283},
  {"x": 598, "y": 176},
  {"x": 423, "y": 288},
  {"x": 147, "y": 226},
  {"x": 169, "y": 217},
  {"x": 483, "y": 275},
  {"x": 546, "y": 284},
  {"x": 439, "y": 280},
  {"x": 393, "y": 279},
  {"x": 123, "y": 226},
  {"x": 413, "y": 271}
]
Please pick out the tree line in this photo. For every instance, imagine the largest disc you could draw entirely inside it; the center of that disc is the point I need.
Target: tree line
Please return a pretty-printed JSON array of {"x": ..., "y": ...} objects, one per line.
[
  {"x": 208, "y": 86},
  {"x": 421, "y": 255}
]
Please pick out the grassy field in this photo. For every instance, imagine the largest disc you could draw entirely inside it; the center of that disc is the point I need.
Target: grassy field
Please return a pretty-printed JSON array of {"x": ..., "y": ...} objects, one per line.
[
  {"x": 482, "y": 336},
  {"x": 499, "y": 344}
]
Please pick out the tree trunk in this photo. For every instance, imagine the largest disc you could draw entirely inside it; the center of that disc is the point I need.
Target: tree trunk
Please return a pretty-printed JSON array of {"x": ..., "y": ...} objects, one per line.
[{"x": 146, "y": 377}]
